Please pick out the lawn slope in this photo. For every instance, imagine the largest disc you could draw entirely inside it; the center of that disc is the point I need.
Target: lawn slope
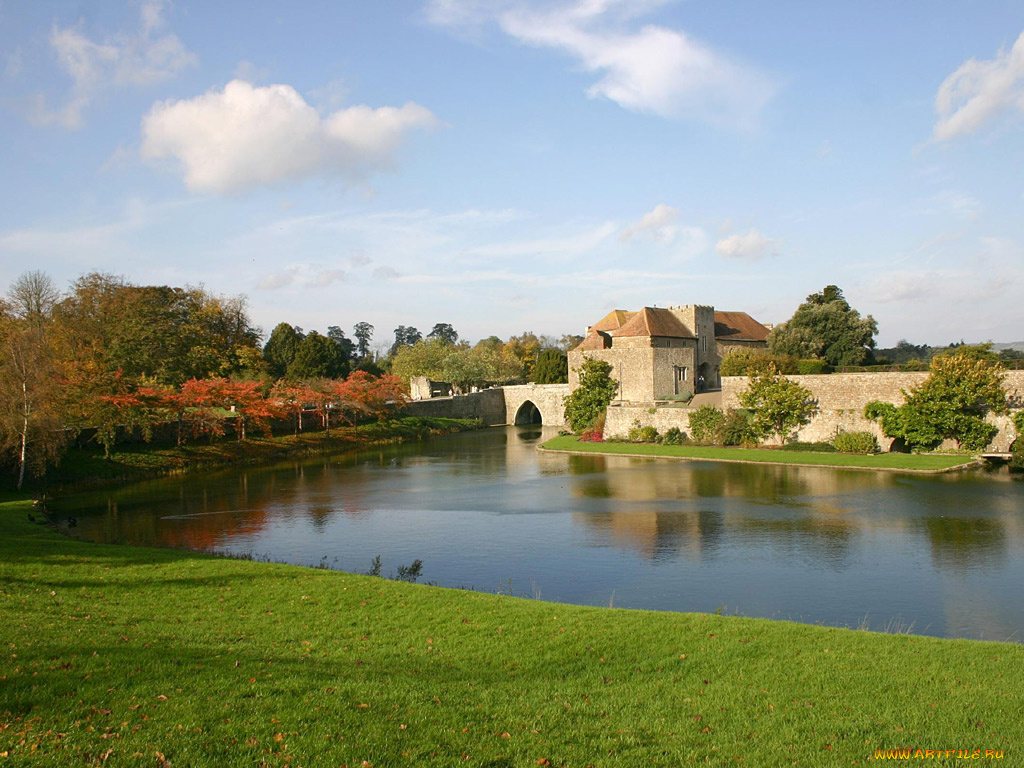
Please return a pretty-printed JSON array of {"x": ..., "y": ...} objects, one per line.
[{"x": 126, "y": 656}]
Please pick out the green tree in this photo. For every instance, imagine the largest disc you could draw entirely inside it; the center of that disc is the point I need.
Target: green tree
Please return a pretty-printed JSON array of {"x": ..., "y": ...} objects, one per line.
[
  {"x": 405, "y": 336},
  {"x": 779, "y": 406},
  {"x": 280, "y": 349},
  {"x": 424, "y": 358},
  {"x": 964, "y": 385},
  {"x": 743, "y": 361},
  {"x": 318, "y": 357},
  {"x": 596, "y": 389},
  {"x": 552, "y": 367},
  {"x": 444, "y": 332},
  {"x": 825, "y": 326},
  {"x": 364, "y": 335}
]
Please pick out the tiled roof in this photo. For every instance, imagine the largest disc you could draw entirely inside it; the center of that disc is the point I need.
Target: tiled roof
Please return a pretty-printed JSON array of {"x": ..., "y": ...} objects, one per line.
[
  {"x": 613, "y": 320},
  {"x": 738, "y": 326},
  {"x": 654, "y": 322},
  {"x": 595, "y": 340}
]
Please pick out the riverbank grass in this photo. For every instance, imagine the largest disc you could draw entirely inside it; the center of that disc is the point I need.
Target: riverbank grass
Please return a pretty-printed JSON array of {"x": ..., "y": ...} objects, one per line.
[
  {"x": 116, "y": 655},
  {"x": 133, "y": 461},
  {"x": 910, "y": 462}
]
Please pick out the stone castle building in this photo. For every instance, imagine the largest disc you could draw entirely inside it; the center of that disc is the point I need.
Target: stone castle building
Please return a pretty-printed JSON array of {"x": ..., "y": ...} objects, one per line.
[{"x": 666, "y": 353}]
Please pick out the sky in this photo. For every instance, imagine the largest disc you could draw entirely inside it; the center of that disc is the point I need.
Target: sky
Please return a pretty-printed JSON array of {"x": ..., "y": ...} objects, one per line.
[{"x": 524, "y": 165}]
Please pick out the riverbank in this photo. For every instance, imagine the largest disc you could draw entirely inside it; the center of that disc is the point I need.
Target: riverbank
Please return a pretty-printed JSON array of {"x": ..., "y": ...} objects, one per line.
[
  {"x": 130, "y": 656},
  {"x": 899, "y": 462},
  {"x": 83, "y": 467}
]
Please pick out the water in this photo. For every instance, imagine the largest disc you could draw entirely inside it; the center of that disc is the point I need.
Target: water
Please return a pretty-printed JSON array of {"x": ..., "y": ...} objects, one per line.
[{"x": 938, "y": 555}]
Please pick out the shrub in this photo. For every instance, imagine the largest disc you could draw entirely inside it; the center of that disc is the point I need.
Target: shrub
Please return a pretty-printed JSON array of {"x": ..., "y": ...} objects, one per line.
[
  {"x": 811, "y": 366},
  {"x": 817, "y": 447},
  {"x": 706, "y": 424},
  {"x": 744, "y": 361},
  {"x": 674, "y": 436},
  {"x": 855, "y": 442},
  {"x": 738, "y": 428},
  {"x": 639, "y": 434},
  {"x": 593, "y": 435},
  {"x": 585, "y": 404}
]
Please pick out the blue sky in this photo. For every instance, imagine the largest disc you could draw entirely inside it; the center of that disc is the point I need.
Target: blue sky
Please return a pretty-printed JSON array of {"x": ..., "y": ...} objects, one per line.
[{"x": 518, "y": 165}]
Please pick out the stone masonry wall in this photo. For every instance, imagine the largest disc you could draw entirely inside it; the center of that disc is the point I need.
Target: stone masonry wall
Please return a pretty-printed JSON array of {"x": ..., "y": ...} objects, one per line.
[{"x": 842, "y": 396}]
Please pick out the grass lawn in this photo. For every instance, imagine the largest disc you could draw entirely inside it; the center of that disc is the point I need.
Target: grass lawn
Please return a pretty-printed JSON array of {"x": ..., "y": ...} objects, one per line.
[
  {"x": 893, "y": 461},
  {"x": 123, "y": 656}
]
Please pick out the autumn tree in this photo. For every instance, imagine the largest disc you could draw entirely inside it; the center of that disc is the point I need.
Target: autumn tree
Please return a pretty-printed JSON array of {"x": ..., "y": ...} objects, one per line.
[
  {"x": 31, "y": 428},
  {"x": 779, "y": 406}
]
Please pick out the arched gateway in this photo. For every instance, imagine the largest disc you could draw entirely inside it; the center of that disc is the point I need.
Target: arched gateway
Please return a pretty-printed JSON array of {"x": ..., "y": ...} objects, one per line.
[{"x": 528, "y": 413}]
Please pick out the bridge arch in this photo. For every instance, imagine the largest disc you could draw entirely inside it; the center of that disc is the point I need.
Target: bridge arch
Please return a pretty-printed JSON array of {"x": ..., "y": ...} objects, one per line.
[{"x": 528, "y": 413}]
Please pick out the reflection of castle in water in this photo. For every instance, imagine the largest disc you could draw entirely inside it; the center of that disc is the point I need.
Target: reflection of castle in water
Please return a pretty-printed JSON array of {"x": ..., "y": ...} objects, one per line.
[{"x": 700, "y": 507}]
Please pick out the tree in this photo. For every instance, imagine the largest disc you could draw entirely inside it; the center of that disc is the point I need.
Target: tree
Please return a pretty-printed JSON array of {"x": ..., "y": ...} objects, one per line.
[
  {"x": 526, "y": 348},
  {"x": 280, "y": 349},
  {"x": 364, "y": 334},
  {"x": 405, "y": 336},
  {"x": 552, "y": 367},
  {"x": 779, "y": 406},
  {"x": 825, "y": 326},
  {"x": 585, "y": 404},
  {"x": 338, "y": 335},
  {"x": 424, "y": 358},
  {"x": 317, "y": 356},
  {"x": 33, "y": 297},
  {"x": 30, "y": 425},
  {"x": 443, "y": 332},
  {"x": 964, "y": 385}
]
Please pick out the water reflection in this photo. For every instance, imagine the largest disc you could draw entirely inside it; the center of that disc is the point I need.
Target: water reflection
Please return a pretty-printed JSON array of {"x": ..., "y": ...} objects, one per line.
[{"x": 486, "y": 509}]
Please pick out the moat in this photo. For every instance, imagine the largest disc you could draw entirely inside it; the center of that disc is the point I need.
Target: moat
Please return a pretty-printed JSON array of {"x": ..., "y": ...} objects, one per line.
[{"x": 937, "y": 555}]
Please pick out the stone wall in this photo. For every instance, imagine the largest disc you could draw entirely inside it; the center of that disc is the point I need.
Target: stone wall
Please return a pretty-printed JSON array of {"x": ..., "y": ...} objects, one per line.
[
  {"x": 620, "y": 418},
  {"x": 497, "y": 406},
  {"x": 842, "y": 396},
  {"x": 488, "y": 406}
]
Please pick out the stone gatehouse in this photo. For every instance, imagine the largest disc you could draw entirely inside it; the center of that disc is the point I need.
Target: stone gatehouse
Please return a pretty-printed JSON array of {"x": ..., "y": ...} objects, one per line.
[{"x": 666, "y": 353}]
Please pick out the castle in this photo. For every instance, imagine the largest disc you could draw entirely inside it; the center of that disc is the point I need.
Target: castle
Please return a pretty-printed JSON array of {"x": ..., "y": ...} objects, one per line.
[{"x": 666, "y": 353}]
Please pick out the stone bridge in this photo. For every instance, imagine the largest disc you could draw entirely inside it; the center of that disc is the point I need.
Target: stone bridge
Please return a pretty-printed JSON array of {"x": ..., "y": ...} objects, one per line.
[
  {"x": 535, "y": 404},
  {"x": 519, "y": 404}
]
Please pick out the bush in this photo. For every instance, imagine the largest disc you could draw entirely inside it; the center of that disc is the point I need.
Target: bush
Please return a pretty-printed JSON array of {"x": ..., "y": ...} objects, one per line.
[
  {"x": 738, "y": 428},
  {"x": 817, "y": 447},
  {"x": 638, "y": 434},
  {"x": 812, "y": 366},
  {"x": 674, "y": 436},
  {"x": 744, "y": 361},
  {"x": 593, "y": 435},
  {"x": 855, "y": 442},
  {"x": 706, "y": 424}
]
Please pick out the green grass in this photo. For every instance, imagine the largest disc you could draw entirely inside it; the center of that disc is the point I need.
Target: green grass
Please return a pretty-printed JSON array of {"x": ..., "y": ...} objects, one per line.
[
  {"x": 895, "y": 461},
  {"x": 124, "y": 656},
  {"x": 87, "y": 466}
]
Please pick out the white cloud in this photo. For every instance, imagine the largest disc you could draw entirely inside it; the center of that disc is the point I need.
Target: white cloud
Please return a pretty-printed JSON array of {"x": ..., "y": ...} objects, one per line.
[
  {"x": 139, "y": 59},
  {"x": 751, "y": 246},
  {"x": 659, "y": 224},
  {"x": 652, "y": 69},
  {"x": 980, "y": 91},
  {"x": 245, "y": 136}
]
